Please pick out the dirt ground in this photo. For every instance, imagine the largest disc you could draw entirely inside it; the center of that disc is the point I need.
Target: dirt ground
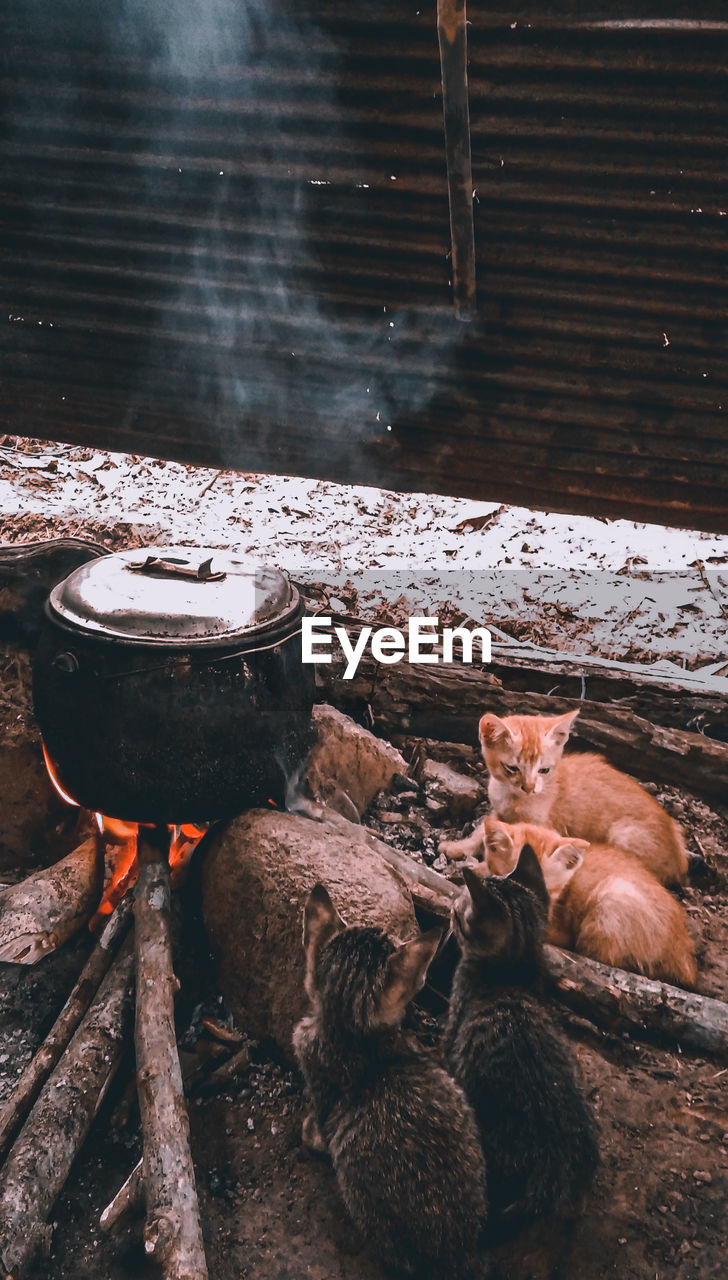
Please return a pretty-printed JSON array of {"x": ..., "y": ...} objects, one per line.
[{"x": 269, "y": 1210}]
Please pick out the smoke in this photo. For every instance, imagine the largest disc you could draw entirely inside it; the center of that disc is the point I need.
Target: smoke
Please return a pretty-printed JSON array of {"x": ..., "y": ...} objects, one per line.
[{"x": 236, "y": 91}]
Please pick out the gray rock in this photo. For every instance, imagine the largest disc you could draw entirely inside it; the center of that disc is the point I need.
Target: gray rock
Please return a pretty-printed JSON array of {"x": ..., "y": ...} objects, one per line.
[
  {"x": 459, "y": 792},
  {"x": 256, "y": 875}
]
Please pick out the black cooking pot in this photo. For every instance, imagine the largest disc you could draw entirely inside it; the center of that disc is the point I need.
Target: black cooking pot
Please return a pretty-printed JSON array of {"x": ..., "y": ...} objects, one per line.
[{"x": 169, "y": 687}]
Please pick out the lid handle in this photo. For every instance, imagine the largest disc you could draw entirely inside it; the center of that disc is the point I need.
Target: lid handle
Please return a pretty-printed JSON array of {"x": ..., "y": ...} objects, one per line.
[{"x": 156, "y": 567}]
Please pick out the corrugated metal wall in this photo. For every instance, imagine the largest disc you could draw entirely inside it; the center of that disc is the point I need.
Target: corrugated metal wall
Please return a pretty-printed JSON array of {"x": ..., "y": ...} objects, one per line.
[{"x": 227, "y": 241}]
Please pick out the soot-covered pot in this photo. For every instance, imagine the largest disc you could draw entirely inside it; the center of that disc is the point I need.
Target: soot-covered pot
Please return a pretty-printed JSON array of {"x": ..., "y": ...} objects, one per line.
[{"x": 169, "y": 687}]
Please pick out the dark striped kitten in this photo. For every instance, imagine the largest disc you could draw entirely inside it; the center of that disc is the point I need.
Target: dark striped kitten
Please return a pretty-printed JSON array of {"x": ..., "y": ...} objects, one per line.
[
  {"x": 538, "y": 1134},
  {"x": 402, "y": 1138}
]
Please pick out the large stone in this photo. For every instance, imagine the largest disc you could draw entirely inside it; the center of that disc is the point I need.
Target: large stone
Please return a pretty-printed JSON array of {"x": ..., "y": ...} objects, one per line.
[
  {"x": 460, "y": 793},
  {"x": 348, "y": 759},
  {"x": 257, "y": 873}
]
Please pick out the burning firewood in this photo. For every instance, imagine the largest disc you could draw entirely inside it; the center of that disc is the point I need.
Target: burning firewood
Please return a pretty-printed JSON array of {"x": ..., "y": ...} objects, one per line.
[
  {"x": 40, "y": 1067},
  {"x": 173, "y": 1233},
  {"x": 37, "y": 1168},
  {"x": 40, "y": 913}
]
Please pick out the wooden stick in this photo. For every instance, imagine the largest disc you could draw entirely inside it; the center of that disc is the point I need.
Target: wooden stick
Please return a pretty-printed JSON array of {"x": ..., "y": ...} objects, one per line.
[
  {"x": 42, "y": 1155},
  {"x": 173, "y": 1235},
  {"x": 128, "y": 1199},
  {"x": 628, "y": 1002},
  {"x": 130, "y": 1196},
  {"x": 32, "y": 1079},
  {"x": 711, "y": 588},
  {"x": 224, "y": 1075},
  {"x": 610, "y": 997},
  {"x": 40, "y": 913},
  {"x": 452, "y": 36},
  {"x": 206, "y": 487}
]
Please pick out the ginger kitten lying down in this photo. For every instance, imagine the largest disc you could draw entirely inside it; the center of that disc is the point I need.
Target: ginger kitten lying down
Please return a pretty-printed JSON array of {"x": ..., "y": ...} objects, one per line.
[
  {"x": 603, "y": 903},
  {"x": 531, "y": 780}
]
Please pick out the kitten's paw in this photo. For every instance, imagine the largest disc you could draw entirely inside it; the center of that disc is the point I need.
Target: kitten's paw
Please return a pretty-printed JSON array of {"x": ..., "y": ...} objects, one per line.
[
  {"x": 471, "y": 847},
  {"x": 454, "y": 850},
  {"x": 311, "y": 1136}
]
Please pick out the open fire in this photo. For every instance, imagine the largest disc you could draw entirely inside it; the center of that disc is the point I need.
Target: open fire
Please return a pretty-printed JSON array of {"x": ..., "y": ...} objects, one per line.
[{"x": 120, "y": 841}]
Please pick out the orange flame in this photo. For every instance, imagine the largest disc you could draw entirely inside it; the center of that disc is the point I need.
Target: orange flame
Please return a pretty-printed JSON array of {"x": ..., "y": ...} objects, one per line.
[
  {"x": 120, "y": 842},
  {"x": 121, "y": 838},
  {"x": 54, "y": 779}
]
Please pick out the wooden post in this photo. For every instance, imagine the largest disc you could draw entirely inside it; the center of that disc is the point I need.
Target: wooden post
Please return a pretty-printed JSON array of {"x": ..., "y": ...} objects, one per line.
[
  {"x": 173, "y": 1235},
  {"x": 452, "y": 37}
]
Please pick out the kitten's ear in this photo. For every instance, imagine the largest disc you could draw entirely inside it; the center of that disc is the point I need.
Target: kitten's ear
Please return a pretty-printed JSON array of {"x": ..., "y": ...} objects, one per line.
[
  {"x": 529, "y": 874},
  {"x": 558, "y": 734},
  {"x": 489, "y": 927},
  {"x": 474, "y": 885},
  {"x": 492, "y": 729},
  {"x": 405, "y": 976},
  {"x": 499, "y": 847},
  {"x": 321, "y": 921},
  {"x": 561, "y": 865}
]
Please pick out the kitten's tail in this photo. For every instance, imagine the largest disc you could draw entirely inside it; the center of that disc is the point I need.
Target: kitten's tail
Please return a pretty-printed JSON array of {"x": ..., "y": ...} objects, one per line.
[{"x": 682, "y": 858}]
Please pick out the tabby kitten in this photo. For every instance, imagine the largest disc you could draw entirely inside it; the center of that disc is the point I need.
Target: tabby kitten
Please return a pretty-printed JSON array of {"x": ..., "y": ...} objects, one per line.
[
  {"x": 538, "y": 1133},
  {"x": 401, "y": 1136},
  {"x": 531, "y": 780}
]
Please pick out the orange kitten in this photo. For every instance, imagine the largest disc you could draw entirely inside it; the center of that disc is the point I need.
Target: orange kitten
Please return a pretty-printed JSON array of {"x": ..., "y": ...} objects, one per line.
[
  {"x": 531, "y": 780},
  {"x": 603, "y": 903}
]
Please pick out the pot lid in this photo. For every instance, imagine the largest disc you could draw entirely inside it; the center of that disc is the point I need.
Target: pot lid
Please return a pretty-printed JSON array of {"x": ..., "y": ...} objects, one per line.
[{"x": 174, "y": 596}]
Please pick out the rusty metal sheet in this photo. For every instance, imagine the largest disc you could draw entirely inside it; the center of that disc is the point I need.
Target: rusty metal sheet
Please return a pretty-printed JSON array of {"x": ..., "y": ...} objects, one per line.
[{"x": 227, "y": 242}]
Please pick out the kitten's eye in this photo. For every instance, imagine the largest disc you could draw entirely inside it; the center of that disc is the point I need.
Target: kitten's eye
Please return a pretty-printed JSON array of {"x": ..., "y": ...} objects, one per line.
[
  {"x": 546, "y": 770},
  {"x": 511, "y": 768}
]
